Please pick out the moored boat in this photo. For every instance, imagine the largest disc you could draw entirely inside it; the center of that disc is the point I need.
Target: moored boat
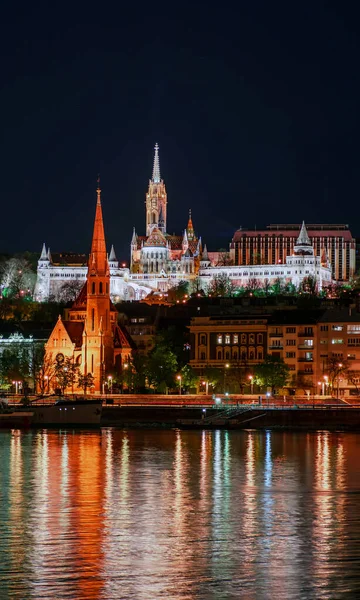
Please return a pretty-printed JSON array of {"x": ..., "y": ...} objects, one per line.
[
  {"x": 16, "y": 419},
  {"x": 80, "y": 413}
]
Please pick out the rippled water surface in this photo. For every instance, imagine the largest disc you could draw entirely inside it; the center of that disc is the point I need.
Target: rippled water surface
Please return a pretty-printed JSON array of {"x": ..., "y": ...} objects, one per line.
[{"x": 179, "y": 515}]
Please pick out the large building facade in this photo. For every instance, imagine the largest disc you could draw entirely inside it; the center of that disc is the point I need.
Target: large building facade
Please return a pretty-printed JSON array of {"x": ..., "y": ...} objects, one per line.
[
  {"x": 276, "y": 242},
  {"x": 321, "y": 347}
]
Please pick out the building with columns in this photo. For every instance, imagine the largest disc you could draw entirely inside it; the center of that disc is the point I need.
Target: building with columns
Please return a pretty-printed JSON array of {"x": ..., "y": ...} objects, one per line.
[
  {"x": 89, "y": 333},
  {"x": 273, "y": 244}
]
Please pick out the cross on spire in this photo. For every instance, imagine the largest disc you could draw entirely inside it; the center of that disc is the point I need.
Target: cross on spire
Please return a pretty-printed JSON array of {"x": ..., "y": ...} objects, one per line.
[{"x": 156, "y": 168}]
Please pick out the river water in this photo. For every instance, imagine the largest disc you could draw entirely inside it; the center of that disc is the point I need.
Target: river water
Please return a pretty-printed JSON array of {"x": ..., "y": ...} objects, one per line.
[{"x": 147, "y": 515}]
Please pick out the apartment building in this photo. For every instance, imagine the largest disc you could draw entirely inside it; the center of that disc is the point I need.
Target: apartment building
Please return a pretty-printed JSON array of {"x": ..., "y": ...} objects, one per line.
[{"x": 321, "y": 347}]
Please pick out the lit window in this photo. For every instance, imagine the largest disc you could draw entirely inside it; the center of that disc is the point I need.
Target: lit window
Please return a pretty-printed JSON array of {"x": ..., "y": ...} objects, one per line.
[
  {"x": 308, "y": 342},
  {"x": 337, "y": 328},
  {"x": 353, "y": 328},
  {"x": 337, "y": 341},
  {"x": 219, "y": 339},
  {"x": 227, "y": 339},
  {"x": 235, "y": 338}
]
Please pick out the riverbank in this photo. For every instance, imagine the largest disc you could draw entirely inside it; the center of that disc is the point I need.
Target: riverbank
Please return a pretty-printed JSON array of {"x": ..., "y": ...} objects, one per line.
[{"x": 303, "y": 418}]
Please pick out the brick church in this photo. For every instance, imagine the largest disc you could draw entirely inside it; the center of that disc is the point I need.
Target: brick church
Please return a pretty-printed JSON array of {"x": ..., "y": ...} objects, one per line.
[{"x": 89, "y": 333}]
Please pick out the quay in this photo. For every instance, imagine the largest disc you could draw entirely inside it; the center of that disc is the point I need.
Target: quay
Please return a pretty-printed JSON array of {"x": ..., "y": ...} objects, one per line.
[{"x": 208, "y": 412}]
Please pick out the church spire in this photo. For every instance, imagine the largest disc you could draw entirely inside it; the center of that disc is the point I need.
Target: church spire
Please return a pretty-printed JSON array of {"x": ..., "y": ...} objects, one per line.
[
  {"x": 156, "y": 168},
  {"x": 190, "y": 228},
  {"x": 43, "y": 255},
  {"x": 303, "y": 239},
  {"x": 98, "y": 260},
  {"x": 112, "y": 253}
]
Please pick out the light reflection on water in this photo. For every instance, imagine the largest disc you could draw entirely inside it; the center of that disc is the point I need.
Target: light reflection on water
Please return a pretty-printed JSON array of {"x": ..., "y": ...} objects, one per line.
[{"x": 179, "y": 515}]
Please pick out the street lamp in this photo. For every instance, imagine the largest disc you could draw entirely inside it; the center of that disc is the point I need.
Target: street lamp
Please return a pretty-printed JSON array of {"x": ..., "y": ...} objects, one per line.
[
  {"x": 251, "y": 378},
  {"x": 178, "y": 377},
  {"x": 46, "y": 377},
  {"x": 325, "y": 385},
  {"x": 338, "y": 379},
  {"x": 226, "y": 366},
  {"x": 206, "y": 384},
  {"x": 110, "y": 383}
]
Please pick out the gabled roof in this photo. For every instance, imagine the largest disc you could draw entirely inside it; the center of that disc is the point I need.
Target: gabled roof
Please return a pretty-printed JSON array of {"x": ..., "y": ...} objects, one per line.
[
  {"x": 122, "y": 339},
  {"x": 75, "y": 330},
  {"x": 80, "y": 301}
]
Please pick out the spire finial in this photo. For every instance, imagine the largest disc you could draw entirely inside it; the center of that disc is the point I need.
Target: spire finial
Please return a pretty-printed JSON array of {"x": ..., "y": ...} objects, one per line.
[
  {"x": 98, "y": 190},
  {"x": 156, "y": 169}
]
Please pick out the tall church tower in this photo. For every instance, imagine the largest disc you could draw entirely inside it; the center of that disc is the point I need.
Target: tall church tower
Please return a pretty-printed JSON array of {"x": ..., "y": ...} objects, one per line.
[
  {"x": 98, "y": 344},
  {"x": 156, "y": 199}
]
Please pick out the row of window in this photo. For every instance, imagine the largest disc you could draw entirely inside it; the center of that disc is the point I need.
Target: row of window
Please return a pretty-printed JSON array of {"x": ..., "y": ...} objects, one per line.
[
  {"x": 234, "y": 354},
  {"x": 350, "y": 328},
  {"x": 244, "y": 338}
]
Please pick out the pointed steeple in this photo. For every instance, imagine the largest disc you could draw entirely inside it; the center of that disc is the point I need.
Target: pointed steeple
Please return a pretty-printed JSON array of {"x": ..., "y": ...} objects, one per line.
[
  {"x": 98, "y": 256},
  {"x": 49, "y": 255},
  {"x": 112, "y": 256},
  {"x": 44, "y": 255},
  {"x": 303, "y": 239},
  {"x": 190, "y": 227},
  {"x": 156, "y": 168},
  {"x": 205, "y": 253},
  {"x": 134, "y": 238}
]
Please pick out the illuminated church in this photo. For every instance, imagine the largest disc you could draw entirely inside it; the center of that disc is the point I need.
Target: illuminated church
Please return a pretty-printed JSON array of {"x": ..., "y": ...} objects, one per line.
[
  {"x": 89, "y": 333},
  {"x": 158, "y": 261}
]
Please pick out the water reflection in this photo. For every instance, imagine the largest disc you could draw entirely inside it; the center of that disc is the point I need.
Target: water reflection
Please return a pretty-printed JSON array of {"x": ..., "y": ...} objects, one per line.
[{"x": 171, "y": 514}]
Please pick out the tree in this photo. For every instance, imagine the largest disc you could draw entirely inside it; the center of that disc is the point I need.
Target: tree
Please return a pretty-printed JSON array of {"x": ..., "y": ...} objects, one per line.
[
  {"x": 15, "y": 364},
  {"x": 85, "y": 382},
  {"x": 17, "y": 278},
  {"x": 179, "y": 291},
  {"x": 65, "y": 373},
  {"x": 224, "y": 259},
  {"x": 212, "y": 377},
  {"x": 221, "y": 285},
  {"x": 161, "y": 368},
  {"x": 336, "y": 368},
  {"x": 69, "y": 291},
  {"x": 273, "y": 373},
  {"x": 189, "y": 379}
]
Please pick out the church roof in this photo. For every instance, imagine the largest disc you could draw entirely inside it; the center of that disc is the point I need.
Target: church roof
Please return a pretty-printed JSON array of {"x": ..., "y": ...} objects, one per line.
[
  {"x": 75, "y": 331},
  {"x": 156, "y": 239},
  {"x": 122, "y": 339},
  {"x": 80, "y": 301}
]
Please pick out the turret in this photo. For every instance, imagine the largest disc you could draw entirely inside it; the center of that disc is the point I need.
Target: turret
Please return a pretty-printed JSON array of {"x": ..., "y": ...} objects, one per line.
[{"x": 113, "y": 261}]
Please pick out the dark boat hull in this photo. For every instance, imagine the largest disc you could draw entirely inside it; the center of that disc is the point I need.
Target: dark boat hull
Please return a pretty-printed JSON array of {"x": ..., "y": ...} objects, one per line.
[
  {"x": 76, "y": 414},
  {"x": 16, "y": 420}
]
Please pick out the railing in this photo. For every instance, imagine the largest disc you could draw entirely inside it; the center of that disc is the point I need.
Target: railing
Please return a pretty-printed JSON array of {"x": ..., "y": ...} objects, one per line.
[{"x": 302, "y": 334}]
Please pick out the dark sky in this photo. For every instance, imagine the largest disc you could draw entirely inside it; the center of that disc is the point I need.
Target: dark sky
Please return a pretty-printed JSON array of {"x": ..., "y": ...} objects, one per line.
[{"x": 255, "y": 109}]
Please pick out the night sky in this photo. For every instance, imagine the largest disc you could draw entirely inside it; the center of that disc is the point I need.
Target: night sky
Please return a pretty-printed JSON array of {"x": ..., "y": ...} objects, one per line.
[{"x": 255, "y": 109}]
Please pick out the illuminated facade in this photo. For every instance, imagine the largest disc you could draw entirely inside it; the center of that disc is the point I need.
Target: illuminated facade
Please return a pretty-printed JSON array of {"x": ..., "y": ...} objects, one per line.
[
  {"x": 158, "y": 260},
  {"x": 273, "y": 244},
  {"x": 302, "y": 264},
  {"x": 89, "y": 333},
  {"x": 321, "y": 347}
]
